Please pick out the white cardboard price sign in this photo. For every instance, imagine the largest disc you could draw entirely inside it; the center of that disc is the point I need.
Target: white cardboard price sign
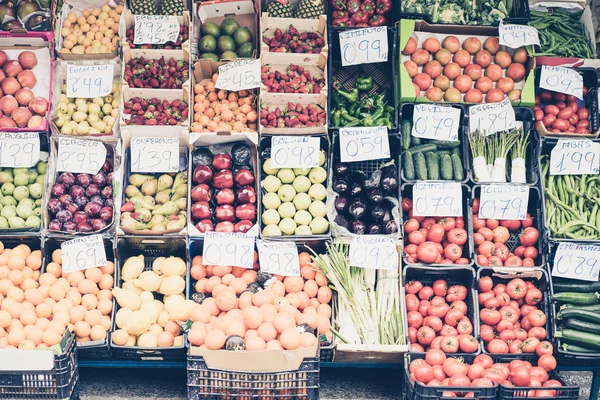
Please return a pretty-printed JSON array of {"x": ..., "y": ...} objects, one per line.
[
  {"x": 235, "y": 249},
  {"x": 83, "y": 253},
  {"x": 155, "y": 154},
  {"x": 503, "y": 202},
  {"x": 575, "y": 157},
  {"x": 19, "y": 150},
  {"x": 155, "y": 29},
  {"x": 443, "y": 199},
  {"x": 577, "y": 261},
  {"x": 563, "y": 80},
  {"x": 373, "y": 252},
  {"x": 89, "y": 81},
  {"x": 436, "y": 122},
  {"x": 239, "y": 75},
  {"x": 364, "y": 46},
  {"x": 492, "y": 118},
  {"x": 80, "y": 156},
  {"x": 295, "y": 151},
  {"x": 279, "y": 258},
  {"x": 360, "y": 144},
  {"x": 515, "y": 36}
]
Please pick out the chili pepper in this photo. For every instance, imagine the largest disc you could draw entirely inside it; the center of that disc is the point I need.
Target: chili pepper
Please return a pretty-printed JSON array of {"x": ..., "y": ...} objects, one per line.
[
  {"x": 360, "y": 17},
  {"x": 336, "y": 117},
  {"x": 368, "y": 6},
  {"x": 350, "y": 96},
  {"x": 353, "y": 5},
  {"x": 353, "y": 109},
  {"x": 347, "y": 118},
  {"x": 372, "y": 119},
  {"x": 377, "y": 20},
  {"x": 383, "y": 6},
  {"x": 339, "y": 15},
  {"x": 339, "y": 5},
  {"x": 364, "y": 83},
  {"x": 337, "y": 99}
]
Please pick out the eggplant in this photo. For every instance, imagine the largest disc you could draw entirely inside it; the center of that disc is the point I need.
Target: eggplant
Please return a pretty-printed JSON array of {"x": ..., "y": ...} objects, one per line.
[
  {"x": 390, "y": 227},
  {"x": 341, "y": 220},
  {"x": 375, "y": 195},
  {"x": 389, "y": 176},
  {"x": 202, "y": 156},
  {"x": 357, "y": 209},
  {"x": 356, "y": 189},
  {"x": 341, "y": 169},
  {"x": 265, "y": 153},
  {"x": 387, "y": 214},
  {"x": 241, "y": 153},
  {"x": 253, "y": 287},
  {"x": 377, "y": 213},
  {"x": 374, "y": 229},
  {"x": 341, "y": 204},
  {"x": 359, "y": 227},
  {"x": 358, "y": 177},
  {"x": 340, "y": 186}
]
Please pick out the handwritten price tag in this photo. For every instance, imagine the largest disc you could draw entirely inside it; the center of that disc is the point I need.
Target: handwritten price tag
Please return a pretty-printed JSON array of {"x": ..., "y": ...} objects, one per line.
[
  {"x": 235, "y": 249},
  {"x": 437, "y": 199},
  {"x": 503, "y": 202},
  {"x": 563, "y": 80},
  {"x": 364, "y": 46},
  {"x": 492, "y": 118},
  {"x": 19, "y": 150},
  {"x": 80, "y": 156},
  {"x": 360, "y": 144},
  {"x": 295, "y": 152},
  {"x": 575, "y": 157},
  {"x": 436, "y": 122},
  {"x": 515, "y": 36},
  {"x": 83, "y": 253},
  {"x": 373, "y": 252},
  {"x": 279, "y": 258},
  {"x": 239, "y": 75},
  {"x": 577, "y": 261},
  {"x": 89, "y": 81},
  {"x": 155, "y": 154},
  {"x": 155, "y": 29}
]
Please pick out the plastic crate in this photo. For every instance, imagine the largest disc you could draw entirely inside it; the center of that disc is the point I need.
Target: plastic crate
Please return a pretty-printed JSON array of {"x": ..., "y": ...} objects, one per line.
[
  {"x": 59, "y": 383},
  {"x": 519, "y": 14}
]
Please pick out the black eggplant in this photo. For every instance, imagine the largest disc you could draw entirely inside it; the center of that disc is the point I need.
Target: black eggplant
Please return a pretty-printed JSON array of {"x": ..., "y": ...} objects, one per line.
[
  {"x": 357, "y": 209},
  {"x": 265, "y": 153},
  {"x": 202, "y": 156},
  {"x": 341, "y": 204},
  {"x": 377, "y": 213},
  {"x": 390, "y": 227},
  {"x": 359, "y": 227},
  {"x": 241, "y": 154},
  {"x": 375, "y": 195},
  {"x": 253, "y": 287},
  {"x": 356, "y": 189},
  {"x": 340, "y": 186},
  {"x": 341, "y": 169},
  {"x": 341, "y": 220},
  {"x": 358, "y": 177},
  {"x": 389, "y": 176},
  {"x": 387, "y": 214},
  {"x": 374, "y": 229}
]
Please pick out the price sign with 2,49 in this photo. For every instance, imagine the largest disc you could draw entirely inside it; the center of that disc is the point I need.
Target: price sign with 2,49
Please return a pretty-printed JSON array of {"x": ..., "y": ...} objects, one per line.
[
  {"x": 515, "y": 36},
  {"x": 155, "y": 154},
  {"x": 575, "y": 157},
  {"x": 443, "y": 199},
  {"x": 436, "y": 122},
  {"x": 239, "y": 75},
  {"x": 19, "y": 150},
  {"x": 279, "y": 258},
  {"x": 577, "y": 261},
  {"x": 89, "y": 81},
  {"x": 491, "y": 118},
  {"x": 80, "y": 156},
  {"x": 373, "y": 252},
  {"x": 364, "y": 46},
  {"x": 295, "y": 152},
  {"x": 361, "y": 144},
  {"x": 563, "y": 80},
  {"x": 83, "y": 253},
  {"x": 503, "y": 202},
  {"x": 155, "y": 29},
  {"x": 235, "y": 249}
]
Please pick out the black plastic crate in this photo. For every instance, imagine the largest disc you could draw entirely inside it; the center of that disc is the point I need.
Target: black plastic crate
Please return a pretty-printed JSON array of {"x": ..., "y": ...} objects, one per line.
[
  {"x": 533, "y": 209},
  {"x": 392, "y": 17},
  {"x": 519, "y": 14}
]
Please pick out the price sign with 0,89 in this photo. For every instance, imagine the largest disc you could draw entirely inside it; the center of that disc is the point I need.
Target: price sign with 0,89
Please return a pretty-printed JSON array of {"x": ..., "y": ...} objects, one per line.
[
  {"x": 279, "y": 258},
  {"x": 440, "y": 199},
  {"x": 373, "y": 252},
  {"x": 228, "y": 249},
  {"x": 239, "y": 75},
  {"x": 563, "y": 80},
  {"x": 577, "y": 261},
  {"x": 80, "y": 156},
  {"x": 503, "y": 202},
  {"x": 435, "y": 122},
  {"x": 155, "y": 154},
  {"x": 83, "y": 253},
  {"x": 364, "y": 46},
  {"x": 295, "y": 152},
  {"x": 361, "y": 144},
  {"x": 89, "y": 81},
  {"x": 491, "y": 118},
  {"x": 19, "y": 150},
  {"x": 575, "y": 157},
  {"x": 515, "y": 36},
  {"x": 155, "y": 29}
]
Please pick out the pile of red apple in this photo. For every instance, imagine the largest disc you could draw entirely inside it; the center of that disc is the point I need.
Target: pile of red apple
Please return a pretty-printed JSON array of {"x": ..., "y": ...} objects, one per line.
[{"x": 560, "y": 113}]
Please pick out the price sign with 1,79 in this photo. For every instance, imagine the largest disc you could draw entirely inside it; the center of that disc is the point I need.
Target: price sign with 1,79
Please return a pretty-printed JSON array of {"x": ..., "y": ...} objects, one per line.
[
  {"x": 437, "y": 199},
  {"x": 577, "y": 261},
  {"x": 156, "y": 154},
  {"x": 435, "y": 122},
  {"x": 503, "y": 202},
  {"x": 491, "y": 118},
  {"x": 19, "y": 150},
  {"x": 80, "y": 156},
  {"x": 575, "y": 157},
  {"x": 364, "y": 46},
  {"x": 89, "y": 81},
  {"x": 295, "y": 152},
  {"x": 279, "y": 258},
  {"x": 155, "y": 29},
  {"x": 235, "y": 249},
  {"x": 563, "y": 80},
  {"x": 83, "y": 253},
  {"x": 361, "y": 144},
  {"x": 373, "y": 252},
  {"x": 239, "y": 75}
]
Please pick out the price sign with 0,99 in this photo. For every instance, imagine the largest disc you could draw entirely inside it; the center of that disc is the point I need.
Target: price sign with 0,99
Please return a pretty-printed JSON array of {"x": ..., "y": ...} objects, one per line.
[
  {"x": 575, "y": 157},
  {"x": 577, "y": 261},
  {"x": 19, "y": 150},
  {"x": 563, "y": 80},
  {"x": 83, "y": 253},
  {"x": 442, "y": 199},
  {"x": 361, "y": 144},
  {"x": 228, "y": 249},
  {"x": 491, "y": 118},
  {"x": 373, "y": 252},
  {"x": 436, "y": 122},
  {"x": 295, "y": 152},
  {"x": 80, "y": 156},
  {"x": 364, "y": 46},
  {"x": 239, "y": 75},
  {"x": 503, "y": 202},
  {"x": 515, "y": 36},
  {"x": 89, "y": 81},
  {"x": 155, "y": 154},
  {"x": 155, "y": 29},
  {"x": 279, "y": 258}
]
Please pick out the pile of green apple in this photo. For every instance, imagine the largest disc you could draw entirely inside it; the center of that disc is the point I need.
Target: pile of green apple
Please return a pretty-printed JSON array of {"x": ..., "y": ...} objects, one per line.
[
  {"x": 294, "y": 200},
  {"x": 21, "y": 194}
]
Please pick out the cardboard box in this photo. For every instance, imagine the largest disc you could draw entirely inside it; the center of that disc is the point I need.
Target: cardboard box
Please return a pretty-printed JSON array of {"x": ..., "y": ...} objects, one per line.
[
  {"x": 281, "y": 100},
  {"x": 270, "y": 24},
  {"x": 421, "y": 30},
  {"x": 129, "y": 22}
]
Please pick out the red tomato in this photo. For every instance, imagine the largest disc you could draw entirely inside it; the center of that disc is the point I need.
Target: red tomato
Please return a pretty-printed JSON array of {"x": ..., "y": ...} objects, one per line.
[
  {"x": 504, "y": 325},
  {"x": 515, "y": 346},
  {"x": 410, "y": 249},
  {"x": 486, "y": 249},
  {"x": 475, "y": 371},
  {"x": 427, "y": 222},
  {"x": 416, "y": 348},
  {"x": 519, "y": 251},
  {"x": 434, "y": 322},
  {"x": 501, "y": 251},
  {"x": 459, "y": 305},
  {"x": 423, "y": 373},
  {"x": 440, "y": 288},
  {"x": 489, "y": 316},
  {"x": 539, "y": 373},
  {"x": 436, "y": 343},
  {"x": 452, "y": 367},
  {"x": 438, "y": 370},
  {"x": 533, "y": 296},
  {"x": 435, "y": 357},
  {"x": 416, "y": 237},
  {"x": 412, "y": 302},
  {"x": 527, "y": 222},
  {"x": 530, "y": 236},
  {"x": 448, "y": 330},
  {"x": 475, "y": 206},
  {"x": 457, "y": 236},
  {"x": 425, "y": 335},
  {"x": 449, "y": 344},
  {"x": 427, "y": 252},
  {"x": 501, "y": 234},
  {"x": 414, "y": 319},
  {"x": 407, "y": 204},
  {"x": 424, "y": 306},
  {"x": 537, "y": 318},
  {"x": 425, "y": 293},
  {"x": 519, "y": 376},
  {"x": 507, "y": 335},
  {"x": 511, "y": 224},
  {"x": 436, "y": 233},
  {"x": 478, "y": 223},
  {"x": 412, "y": 334},
  {"x": 544, "y": 347},
  {"x": 485, "y": 284},
  {"x": 464, "y": 326},
  {"x": 448, "y": 223},
  {"x": 530, "y": 344},
  {"x": 437, "y": 300},
  {"x": 504, "y": 299},
  {"x": 521, "y": 334},
  {"x": 499, "y": 288},
  {"x": 509, "y": 314},
  {"x": 530, "y": 252},
  {"x": 516, "y": 288},
  {"x": 513, "y": 261},
  {"x": 537, "y": 332},
  {"x": 478, "y": 238},
  {"x": 411, "y": 225},
  {"x": 439, "y": 310},
  {"x": 413, "y": 287},
  {"x": 453, "y": 316},
  {"x": 547, "y": 362},
  {"x": 583, "y": 114},
  {"x": 493, "y": 302},
  {"x": 460, "y": 381},
  {"x": 487, "y": 233},
  {"x": 482, "y": 260},
  {"x": 460, "y": 222},
  {"x": 468, "y": 343},
  {"x": 492, "y": 223},
  {"x": 456, "y": 292},
  {"x": 497, "y": 346},
  {"x": 462, "y": 261},
  {"x": 453, "y": 252}
]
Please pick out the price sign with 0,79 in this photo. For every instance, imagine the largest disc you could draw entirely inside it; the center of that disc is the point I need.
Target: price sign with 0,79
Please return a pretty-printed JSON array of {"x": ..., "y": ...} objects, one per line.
[
  {"x": 575, "y": 157},
  {"x": 228, "y": 249},
  {"x": 443, "y": 199},
  {"x": 80, "y": 156},
  {"x": 239, "y": 75},
  {"x": 577, "y": 261},
  {"x": 435, "y": 122},
  {"x": 295, "y": 152},
  {"x": 364, "y": 46},
  {"x": 19, "y": 150},
  {"x": 361, "y": 144},
  {"x": 503, "y": 202},
  {"x": 89, "y": 81},
  {"x": 155, "y": 154},
  {"x": 373, "y": 252},
  {"x": 82, "y": 253},
  {"x": 279, "y": 258}
]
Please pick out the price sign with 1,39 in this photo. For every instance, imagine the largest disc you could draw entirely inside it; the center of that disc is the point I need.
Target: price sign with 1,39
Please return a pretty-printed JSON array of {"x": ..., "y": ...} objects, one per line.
[
  {"x": 155, "y": 29},
  {"x": 361, "y": 144},
  {"x": 19, "y": 150},
  {"x": 89, "y": 81},
  {"x": 279, "y": 258},
  {"x": 575, "y": 157},
  {"x": 437, "y": 199},
  {"x": 577, "y": 261},
  {"x": 491, "y": 118},
  {"x": 155, "y": 154},
  {"x": 503, "y": 202},
  {"x": 563, "y": 80},
  {"x": 515, "y": 36},
  {"x": 83, "y": 253},
  {"x": 364, "y": 46},
  {"x": 235, "y": 249},
  {"x": 295, "y": 152},
  {"x": 435, "y": 122},
  {"x": 373, "y": 252},
  {"x": 80, "y": 156},
  {"x": 239, "y": 75}
]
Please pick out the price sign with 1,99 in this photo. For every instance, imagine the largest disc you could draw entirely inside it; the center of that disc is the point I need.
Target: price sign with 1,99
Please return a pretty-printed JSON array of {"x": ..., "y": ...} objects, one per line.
[
  {"x": 515, "y": 36},
  {"x": 89, "y": 81},
  {"x": 575, "y": 157},
  {"x": 80, "y": 156},
  {"x": 83, "y": 253},
  {"x": 563, "y": 80},
  {"x": 19, "y": 150},
  {"x": 437, "y": 199},
  {"x": 155, "y": 29},
  {"x": 373, "y": 252},
  {"x": 503, "y": 202},
  {"x": 364, "y": 46},
  {"x": 295, "y": 152},
  {"x": 361, "y": 144},
  {"x": 239, "y": 75},
  {"x": 491, "y": 118},
  {"x": 155, "y": 154},
  {"x": 435, "y": 122},
  {"x": 221, "y": 248},
  {"x": 279, "y": 258},
  {"x": 577, "y": 261}
]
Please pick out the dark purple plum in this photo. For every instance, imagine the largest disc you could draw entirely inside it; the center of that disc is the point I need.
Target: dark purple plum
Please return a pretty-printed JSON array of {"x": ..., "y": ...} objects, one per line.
[
  {"x": 107, "y": 192},
  {"x": 77, "y": 191},
  {"x": 83, "y": 180},
  {"x": 97, "y": 199},
  {"x": 109, "y": 178},
  {"x": 99, "y": 179},
  {"x": 65, "y": 199},
  {"x": 64, "y": 216},
  {"x": 67, "y": 179},
  {"x": 106, "y": 213},
  {"x": 109, "y": 203},
  {"x": 98, "y": 224},
  {"x": 107, "y": 167},
  {"x": 79, "y": 217},
  {"x": 92, "y": 190},
  {"x": 70, "y": 226},
  {"x": 81, "y": 202},
  {"x": 84, "y": 227},
  {"x": 92, "y": 209},
  {"x": 54, "y": 206},
  {"x": 55, "y": 225},
  {"x": 58, "y": 189},
  {"x": 72, "y": 208}
]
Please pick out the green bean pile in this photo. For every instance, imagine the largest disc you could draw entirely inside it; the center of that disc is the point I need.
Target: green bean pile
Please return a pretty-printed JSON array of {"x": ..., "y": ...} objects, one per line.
[{"x": 561, "y": 34}]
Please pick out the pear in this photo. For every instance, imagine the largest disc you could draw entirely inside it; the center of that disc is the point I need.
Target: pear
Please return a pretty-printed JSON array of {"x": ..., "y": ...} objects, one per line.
[
  {"x": 142, "y": 215},
  {"x": 156, "y": 219},
  {"x": 164, "y": 182},
  {"x": 149, "y": 200},
  {"x": 139, "y": 202},
  {"x": 179, "y": 179},
  {"x": 159, "y": 228},
  {"x": 132, "y": 224},
  {"x": 16, "y": 222},
  {"x": 149, "y": 187},
  {"x": 181, "y": 190},
  {"x": 181, "y": 203},
  {"x": 132, "y": 191},
  {"x": 178, "y": 223},
  {"x": 169, "y": 208},
  {"x": 163, "y": 196},
  {"x": 138, "y": 180}
]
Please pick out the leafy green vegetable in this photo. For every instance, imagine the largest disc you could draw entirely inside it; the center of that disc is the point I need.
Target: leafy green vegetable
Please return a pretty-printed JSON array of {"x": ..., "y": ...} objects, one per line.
[{"x": 461, "y": 12}]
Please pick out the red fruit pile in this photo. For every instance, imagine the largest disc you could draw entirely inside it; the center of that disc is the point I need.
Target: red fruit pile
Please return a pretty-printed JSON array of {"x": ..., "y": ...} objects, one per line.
[
  {"x": 155, "y": 74},
  {"x": 184, "y": 33},
  {"x": 294, "y": 116},
  {"x": 154, "y": 112},
  {"x": 292, "y": 41},
  {"x": 560, "y": 112},
  {"x": 295, "y": 80},
  {"x": 360, "y": 13},
  {"x": 455, "y": 71},
  {"x": 437, "y": 319}
]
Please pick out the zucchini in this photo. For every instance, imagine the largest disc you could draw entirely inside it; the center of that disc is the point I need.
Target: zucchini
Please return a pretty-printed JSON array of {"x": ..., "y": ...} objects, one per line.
[
  {"x": 579, "y": 325},
  {"x": 446, "y": 144},
  {"x": 406, "y": 133},
  {"x": 576, "y": 287},
  {"x": 433, "y": 167},
  {"x": 593, "y": 307},
  {"x": 420, "y": 166},
  {"x": 580, "y": 338},
  {"x": 424, "y": 148},
  {"x": 573, "y": 348},
  {"x": 583, "y": 299},
  {"x": 585, "y": 315},
  {"x": 409, "y": 167},
  {"x": 457, "y": 168},
  {"x": 456, "y": 151},
  {"x": 446, "y": 167}
]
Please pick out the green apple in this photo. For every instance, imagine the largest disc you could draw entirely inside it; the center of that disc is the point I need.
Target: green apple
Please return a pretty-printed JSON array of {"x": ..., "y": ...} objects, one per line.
[
  {"x": 286, "y": 210},
  {"x": 286, "y": 193},
  {"x": 322, "y": 158},
  {"x": 302, "y": 201},
  {"x": 271, "y": 184},
  {"x": 318, "y": 209},
  {"x": 270, "y": 217},
  {"x": 287, "y": 226},
  {"x": 267, "y": 167},
  {"x": 317, "y": 192},
  {"x": 319, "y": 226},
  {"x": 286, "y": 175},
  {"x": 301, "y": 171},
  {"x": 271, "y": 230},
  {"x": 301, "y": 184},
  {"x": 303, "y": 217},
  {"x": 303, "y": 230},
  {"x": 317, "y": 175},
  {"x": 271, "y": 201}
]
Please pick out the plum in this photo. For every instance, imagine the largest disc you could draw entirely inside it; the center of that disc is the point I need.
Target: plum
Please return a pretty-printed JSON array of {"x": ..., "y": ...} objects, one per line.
[
  {"x": 83, "y": 180},
  {"x": 67, "y": 179},
  {"x": 58, "y": 189}
]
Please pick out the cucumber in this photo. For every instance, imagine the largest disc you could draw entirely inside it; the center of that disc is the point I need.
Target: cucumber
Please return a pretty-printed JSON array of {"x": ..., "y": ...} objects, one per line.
[
  {"x": 585, "y": 315},
  {"x": 573, "y": 348},
  {"x": 580, "y": 338},
  {"x": 424, "y": 148},
  {"x": 416, "y": 141},
  {"x": 433, "y": 167},
  {"x": 593, "y": 307},
  {"x": 576, "y": 287},
  {"x": 457, "y": 168},
  {"x": 446, "y": 167},
  {"x": 583, "y": 299},
  {"x": 581, "y": 325},
  {"x": 446, "y": 144},
  {"x": 456, "y": 151},
  {"x": 409, "y": 167},
  {"x": 420, "y": 166},
  {"x": 406, "y": 133}
]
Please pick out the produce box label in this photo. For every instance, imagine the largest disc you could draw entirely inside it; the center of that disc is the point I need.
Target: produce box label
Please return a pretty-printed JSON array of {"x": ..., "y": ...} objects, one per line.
[
  {"x": 373, "y": 252},
  {"x": 239, "y": 75},
  {"x": 361, "y": 144},
  {"x": 492, "y": 118},
  {"x": 19, "y": 150},
  {"x": 575, "y": 157},
  {"x": 155, "y": 154},
  {"x": 295, "y": 151},
  {"x": 83, "y": 253},
  {"x": 503, "y": 202},
  {"x": 436, "y": 122},
  {"x": 577, "y": 261},
  {"x": 89, "y": 81},
  {"x": 235, "y": 249},
  {"x": 563, "y": 80},
  {"x": 364, "y": 46},
  {"x": 80, "y": 156},
  {"x": 515, "y": 36},
  {"x": 439, "y": 199},
  {"x": 155, "y": 29},
  {"x": 279, "y": 258}
]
